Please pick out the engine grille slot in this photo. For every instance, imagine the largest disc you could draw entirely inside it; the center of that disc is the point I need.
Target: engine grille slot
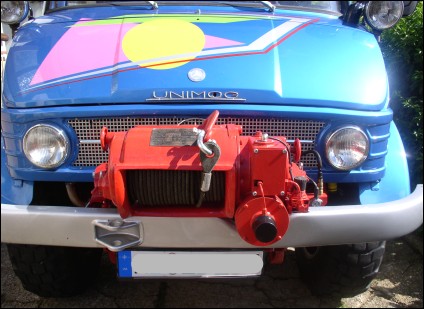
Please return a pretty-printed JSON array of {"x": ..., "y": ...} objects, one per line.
[
  {"x": 91, "y": 154},
  {"x": 156, "y": 188}
]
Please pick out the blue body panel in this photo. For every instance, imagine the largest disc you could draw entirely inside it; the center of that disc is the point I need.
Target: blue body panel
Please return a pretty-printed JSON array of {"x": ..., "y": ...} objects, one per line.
[
  {"x": 15, "y": 122},
  {"x": 395, "y": 184},
  {"x": 318, "y": 63},
  {"x": 13, "y": 191}
]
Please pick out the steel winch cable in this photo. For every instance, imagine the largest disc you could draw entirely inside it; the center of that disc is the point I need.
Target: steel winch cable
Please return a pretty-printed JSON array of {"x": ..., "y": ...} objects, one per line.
[{"x": 156, "y": 188}]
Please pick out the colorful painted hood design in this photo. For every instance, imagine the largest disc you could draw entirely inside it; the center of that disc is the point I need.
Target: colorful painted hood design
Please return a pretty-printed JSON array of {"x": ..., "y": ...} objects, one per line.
[{"x": 126, "y": 58}]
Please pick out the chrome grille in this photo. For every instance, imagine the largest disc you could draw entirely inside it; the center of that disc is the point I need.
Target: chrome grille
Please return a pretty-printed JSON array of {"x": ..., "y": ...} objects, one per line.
[{"x": 88, "y": 132}]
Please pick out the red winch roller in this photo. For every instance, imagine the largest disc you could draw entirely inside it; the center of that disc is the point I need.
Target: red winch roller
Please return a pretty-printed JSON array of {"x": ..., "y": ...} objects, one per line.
[{"x": 205, "y": 171}]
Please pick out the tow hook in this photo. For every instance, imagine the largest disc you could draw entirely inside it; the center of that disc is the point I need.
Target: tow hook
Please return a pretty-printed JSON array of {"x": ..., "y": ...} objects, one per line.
[{"x": 118, "y": 234}]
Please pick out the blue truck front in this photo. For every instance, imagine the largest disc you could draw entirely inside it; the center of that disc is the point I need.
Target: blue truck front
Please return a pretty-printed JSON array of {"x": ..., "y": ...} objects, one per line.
[{"x": 305, "y": 79}]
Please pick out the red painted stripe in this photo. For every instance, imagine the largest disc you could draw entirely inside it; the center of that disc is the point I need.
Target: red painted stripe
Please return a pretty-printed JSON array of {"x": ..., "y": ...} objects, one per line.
[{"x": 288, "y": 35}]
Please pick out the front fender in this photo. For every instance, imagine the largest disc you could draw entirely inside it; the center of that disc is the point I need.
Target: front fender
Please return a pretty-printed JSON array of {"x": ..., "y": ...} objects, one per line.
[
  {"x": 13, "y": 191},
  {"x": 395, "y": 184}
]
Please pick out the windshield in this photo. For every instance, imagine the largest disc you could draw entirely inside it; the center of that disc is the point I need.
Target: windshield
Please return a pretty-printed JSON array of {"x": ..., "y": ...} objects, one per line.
[{"x": 326, "y": 6}]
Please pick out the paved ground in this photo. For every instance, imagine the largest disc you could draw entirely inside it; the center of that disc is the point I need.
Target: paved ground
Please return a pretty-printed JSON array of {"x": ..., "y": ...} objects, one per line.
[{"x": 399, "y": 284}]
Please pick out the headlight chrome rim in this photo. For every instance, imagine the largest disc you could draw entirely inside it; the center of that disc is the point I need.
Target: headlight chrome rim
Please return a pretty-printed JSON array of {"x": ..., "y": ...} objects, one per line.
[
  {"x": 60, "y": 133},
  {"x": 369, "y": 19},
  {"x": 21, "y": 17},
  {"x": 358, "y": 163}
]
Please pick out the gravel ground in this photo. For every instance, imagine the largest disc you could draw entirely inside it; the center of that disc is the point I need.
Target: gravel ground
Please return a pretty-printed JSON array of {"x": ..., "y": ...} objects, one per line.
[{"x": 398, "y": 285}]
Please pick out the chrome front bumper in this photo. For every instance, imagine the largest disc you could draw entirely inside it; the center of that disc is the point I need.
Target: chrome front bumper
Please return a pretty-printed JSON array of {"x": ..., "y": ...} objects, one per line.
[{"x": 78, "y": 227}]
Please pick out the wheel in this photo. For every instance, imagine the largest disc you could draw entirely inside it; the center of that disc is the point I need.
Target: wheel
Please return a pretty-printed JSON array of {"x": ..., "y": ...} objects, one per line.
[
  {"x": 54, "y": 271},
  {"x": 345, "y": 269}
]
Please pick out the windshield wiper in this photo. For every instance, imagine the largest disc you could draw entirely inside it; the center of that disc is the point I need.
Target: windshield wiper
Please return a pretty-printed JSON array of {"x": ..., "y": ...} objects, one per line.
[
  {"x": 269, "y": 5},
  {"x": 154, "y": 5}
]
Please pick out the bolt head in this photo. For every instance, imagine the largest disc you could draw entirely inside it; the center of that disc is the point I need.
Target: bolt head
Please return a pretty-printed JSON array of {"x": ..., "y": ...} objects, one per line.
[
  {"x": 254, "y": 193},
  {"x": 116, "y": 223},
  {"x": 255, "y": 150}
]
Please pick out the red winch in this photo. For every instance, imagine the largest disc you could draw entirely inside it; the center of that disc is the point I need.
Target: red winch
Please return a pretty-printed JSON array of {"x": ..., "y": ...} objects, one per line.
[{"x": 205, "y": 171}]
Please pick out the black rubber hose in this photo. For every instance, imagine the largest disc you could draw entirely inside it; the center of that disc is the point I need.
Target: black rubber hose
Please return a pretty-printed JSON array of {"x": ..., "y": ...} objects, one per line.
[
  {"x": 316, "y": 190},
  {"x": 319, "y": 163},
  {"x": 317, "y": 157}
]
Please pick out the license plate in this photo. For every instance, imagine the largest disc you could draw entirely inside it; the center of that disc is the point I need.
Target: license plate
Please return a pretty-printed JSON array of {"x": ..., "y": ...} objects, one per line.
[{"x": 184, "y": 264}]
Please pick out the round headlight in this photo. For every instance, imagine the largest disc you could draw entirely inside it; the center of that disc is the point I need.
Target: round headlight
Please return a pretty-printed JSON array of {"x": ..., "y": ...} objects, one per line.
[
  {"x": 382, "y": 15},
  {"x": 13, "y": 12},
  {"x": 347, "y": 148},
  {"x": 46, "y": 146}
]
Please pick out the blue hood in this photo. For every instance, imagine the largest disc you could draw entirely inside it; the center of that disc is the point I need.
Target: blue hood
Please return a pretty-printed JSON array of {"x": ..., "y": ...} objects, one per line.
[{"x": 115, "y": 55}]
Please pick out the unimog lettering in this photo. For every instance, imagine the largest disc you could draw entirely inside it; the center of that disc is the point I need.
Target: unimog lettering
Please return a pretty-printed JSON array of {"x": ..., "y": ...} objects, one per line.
[{"x": 194, "y": 95}]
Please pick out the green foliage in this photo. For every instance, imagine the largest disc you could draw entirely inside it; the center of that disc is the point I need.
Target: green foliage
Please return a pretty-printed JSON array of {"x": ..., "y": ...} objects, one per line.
[{"x": 402, "y": 48}]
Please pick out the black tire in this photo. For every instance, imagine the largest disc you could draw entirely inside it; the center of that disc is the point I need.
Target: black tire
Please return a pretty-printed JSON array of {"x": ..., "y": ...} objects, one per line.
[
  {"x": 54, "y": 271},
  {"x": 344, "y": 269}
]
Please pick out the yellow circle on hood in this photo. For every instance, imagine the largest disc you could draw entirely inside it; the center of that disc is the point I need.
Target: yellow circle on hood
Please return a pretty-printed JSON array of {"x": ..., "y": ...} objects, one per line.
[{"x": 172, "y": 42}]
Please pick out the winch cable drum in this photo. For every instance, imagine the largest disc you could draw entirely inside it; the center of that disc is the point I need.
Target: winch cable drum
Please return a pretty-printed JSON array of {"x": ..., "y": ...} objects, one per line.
[
  {"x": 172, "y": 188},
  {"x": 168, "y": 187}
]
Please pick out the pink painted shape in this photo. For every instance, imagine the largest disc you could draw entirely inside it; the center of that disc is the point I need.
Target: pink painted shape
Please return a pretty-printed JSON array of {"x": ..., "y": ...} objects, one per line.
[
  {"x": 82, "y": 49},
  {"x": 214, "y": 42}
]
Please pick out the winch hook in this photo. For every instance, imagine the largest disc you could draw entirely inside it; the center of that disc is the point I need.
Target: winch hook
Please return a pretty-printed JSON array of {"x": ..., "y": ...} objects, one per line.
[
  {"x": 204, "y": 132},
  {"x": 209, "y": 153}
]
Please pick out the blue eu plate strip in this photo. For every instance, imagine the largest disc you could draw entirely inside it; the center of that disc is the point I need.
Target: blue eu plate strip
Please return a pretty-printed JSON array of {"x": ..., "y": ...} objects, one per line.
[{"x": 124, "y": 264}]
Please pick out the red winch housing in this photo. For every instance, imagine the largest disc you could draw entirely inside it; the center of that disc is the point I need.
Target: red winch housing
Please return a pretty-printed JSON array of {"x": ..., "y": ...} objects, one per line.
[{"x": 157, "y": 171}]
